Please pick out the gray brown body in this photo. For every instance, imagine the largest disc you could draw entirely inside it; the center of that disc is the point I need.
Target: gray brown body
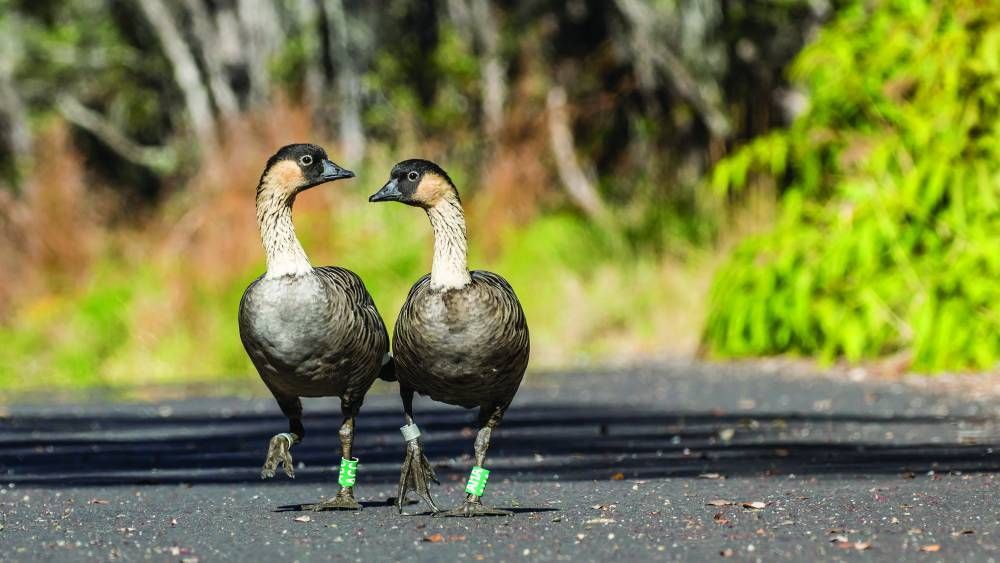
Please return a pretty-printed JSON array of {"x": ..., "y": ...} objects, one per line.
[
  {"x": 461, "y": 337},
  {"x": 466, "y": 346},
  {"x": 314, "y": 335}
]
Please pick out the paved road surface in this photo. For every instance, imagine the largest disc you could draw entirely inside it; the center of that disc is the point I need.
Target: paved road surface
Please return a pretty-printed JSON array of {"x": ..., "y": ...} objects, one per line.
[{"x": 607, "y": 465}]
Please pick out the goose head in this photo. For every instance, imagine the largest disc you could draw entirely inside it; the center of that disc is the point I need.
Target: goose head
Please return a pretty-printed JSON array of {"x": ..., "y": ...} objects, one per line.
[
  {"x": 417, "y": 182},
  {"x": 296, "y": 168}
]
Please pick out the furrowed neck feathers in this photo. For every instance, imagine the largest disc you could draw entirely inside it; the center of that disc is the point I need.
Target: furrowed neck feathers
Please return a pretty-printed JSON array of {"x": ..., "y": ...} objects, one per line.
[
  {"x": 285, "y": 255},
  {"x": 450, "y": 267}
]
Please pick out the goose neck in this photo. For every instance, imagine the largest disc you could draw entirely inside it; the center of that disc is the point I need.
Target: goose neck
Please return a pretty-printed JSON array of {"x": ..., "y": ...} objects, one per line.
[
  {"x": 285, "y": 255},
  {"x": 449, "y": 269}
]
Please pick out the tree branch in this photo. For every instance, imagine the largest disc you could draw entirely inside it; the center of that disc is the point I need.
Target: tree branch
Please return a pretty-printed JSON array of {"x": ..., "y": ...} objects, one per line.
[{"x": 159, "y": 159}]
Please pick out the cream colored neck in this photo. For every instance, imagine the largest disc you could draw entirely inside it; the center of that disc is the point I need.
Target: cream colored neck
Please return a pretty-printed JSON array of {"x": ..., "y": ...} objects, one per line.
[
  {"x": 450, "y": 267},
  {"x": 285, "y": 255}
]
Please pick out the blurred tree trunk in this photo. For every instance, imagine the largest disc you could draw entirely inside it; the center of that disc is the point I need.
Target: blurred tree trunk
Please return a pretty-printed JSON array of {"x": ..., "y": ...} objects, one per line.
[
  {"x": 16, "y": 134},
  {"x": 345, "y": 60},
  {"x": 650, "y": 30},
  {"x": 263, "y": 35},
  {"x": 578, "y": 186},
  {"x": 208, "y": 38},
  {"x": 308, "y": 17},
  {"x": 476, "y": 20},
  {"x": 186, "y": 73}
]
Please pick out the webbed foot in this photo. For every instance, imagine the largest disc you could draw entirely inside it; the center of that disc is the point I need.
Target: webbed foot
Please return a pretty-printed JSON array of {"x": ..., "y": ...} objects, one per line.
[
  {"x": 472, "y": 507},
  {"x": 279, "y": 453},
  {"x": 343, "y": 501},
  {"x": 416, "y": 476}
]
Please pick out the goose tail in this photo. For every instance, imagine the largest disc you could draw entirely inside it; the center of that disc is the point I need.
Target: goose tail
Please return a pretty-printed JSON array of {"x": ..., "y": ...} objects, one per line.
[{"x": 388, "y": 371}]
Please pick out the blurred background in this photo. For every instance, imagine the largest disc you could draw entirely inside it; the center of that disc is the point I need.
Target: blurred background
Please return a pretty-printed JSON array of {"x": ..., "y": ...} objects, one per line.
[{"x": 656, "y": 178}]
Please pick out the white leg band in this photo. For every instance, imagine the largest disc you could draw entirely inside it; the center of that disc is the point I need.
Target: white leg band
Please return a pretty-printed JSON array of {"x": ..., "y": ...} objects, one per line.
[
  {"x": 410, "y": 432},
  {"x": 290, "y": 437}
]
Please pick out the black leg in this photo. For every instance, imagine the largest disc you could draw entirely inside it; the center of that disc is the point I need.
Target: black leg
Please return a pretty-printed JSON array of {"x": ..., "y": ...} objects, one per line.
[
  {"x": 489, "y": 418},
  {"x": 279, "y": 449},
  {"x": 417, "y": 472},
  {"x": 345, "y": 497}
]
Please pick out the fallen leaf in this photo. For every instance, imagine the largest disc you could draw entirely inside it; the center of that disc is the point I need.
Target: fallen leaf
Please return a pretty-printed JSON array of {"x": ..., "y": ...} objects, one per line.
[
  {"x": 782, "y": 452},
  {"x": 711, "y": 476},
  {"x": 726, "y": 434},
  {"x": 755, "y": 505},
  {"x": 99, "y": 501},
  {"x": 720, "y": 502},
  {"x": 434, "y": 538},
  {"x": 862, "y": 545},
  {"x": 720, "y": 519},
  {"x": 962, "y": 533},
  {"x": 456, "y": 538},
  {"x": 932, "y": 548},
  {"x": 303, "y": 519},
  {"x": 726, "y": 552},
  {"x": 839, "y": 539},
  {"x": 618, "y": 476}
]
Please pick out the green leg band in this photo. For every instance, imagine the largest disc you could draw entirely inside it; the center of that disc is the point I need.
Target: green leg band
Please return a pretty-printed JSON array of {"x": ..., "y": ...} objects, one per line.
[
  {"x": 477, "y": 481},
  {"x": 348, "y": 472}
]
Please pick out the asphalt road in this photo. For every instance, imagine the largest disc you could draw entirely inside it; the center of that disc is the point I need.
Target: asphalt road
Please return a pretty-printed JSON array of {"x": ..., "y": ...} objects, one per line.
[{"x": 621, "y": 464}]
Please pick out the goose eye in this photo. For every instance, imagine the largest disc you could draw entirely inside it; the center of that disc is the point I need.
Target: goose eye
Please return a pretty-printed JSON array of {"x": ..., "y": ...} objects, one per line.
[
  {"x": 412, "y": 176},
  {"x": 306, "y": 160}
]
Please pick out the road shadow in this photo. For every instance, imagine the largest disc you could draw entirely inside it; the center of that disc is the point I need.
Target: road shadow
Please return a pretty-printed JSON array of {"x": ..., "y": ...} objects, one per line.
[{"x": 537, "y": 442}]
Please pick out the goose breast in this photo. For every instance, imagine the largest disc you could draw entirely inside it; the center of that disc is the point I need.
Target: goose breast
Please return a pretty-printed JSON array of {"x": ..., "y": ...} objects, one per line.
[{"x": 466, "y": 346}]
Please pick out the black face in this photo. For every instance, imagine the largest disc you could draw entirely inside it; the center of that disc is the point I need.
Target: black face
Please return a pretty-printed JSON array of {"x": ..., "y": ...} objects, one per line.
[
  {"x": 404, "y": 179},
  {"x": 312, "y": 161}
]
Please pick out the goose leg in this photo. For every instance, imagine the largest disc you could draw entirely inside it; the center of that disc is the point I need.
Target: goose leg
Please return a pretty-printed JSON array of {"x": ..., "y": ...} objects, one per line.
[
  {"x": 473, "y": 506},
  {"x": 279, "y": 449},
  {"x": 417, "y": 472},
  {"x": 345, "y": 498}
]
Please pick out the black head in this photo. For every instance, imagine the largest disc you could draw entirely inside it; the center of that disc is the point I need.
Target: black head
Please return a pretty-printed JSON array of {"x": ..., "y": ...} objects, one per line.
[
  {"x": 416, "y": 182},
  {"x": 295, "y": 168}
]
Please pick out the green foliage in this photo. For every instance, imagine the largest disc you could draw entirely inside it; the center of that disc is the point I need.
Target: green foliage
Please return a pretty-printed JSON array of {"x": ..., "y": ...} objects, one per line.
[{"x": 889, "y": 233}]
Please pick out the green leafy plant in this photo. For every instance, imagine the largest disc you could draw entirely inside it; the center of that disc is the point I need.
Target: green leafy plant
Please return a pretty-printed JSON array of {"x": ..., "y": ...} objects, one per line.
[{"x": 888, "y": 238}]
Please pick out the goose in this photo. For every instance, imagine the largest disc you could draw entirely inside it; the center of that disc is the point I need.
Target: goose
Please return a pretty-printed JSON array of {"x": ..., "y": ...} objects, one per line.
[
  {"x": 461, "y": 337},
  {"x": 310, "y": 332}
]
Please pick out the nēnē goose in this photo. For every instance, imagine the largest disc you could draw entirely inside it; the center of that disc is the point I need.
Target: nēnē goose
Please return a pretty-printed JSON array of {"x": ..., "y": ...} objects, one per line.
[
  {"x": 461, "y": 337},
  {"x": 310, "y": 332}
]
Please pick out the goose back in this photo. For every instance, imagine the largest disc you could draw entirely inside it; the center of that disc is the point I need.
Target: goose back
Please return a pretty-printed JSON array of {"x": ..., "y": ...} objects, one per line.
[
  {"x": 315, "y": 334},
  {"x": 467, "y": 346}
]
